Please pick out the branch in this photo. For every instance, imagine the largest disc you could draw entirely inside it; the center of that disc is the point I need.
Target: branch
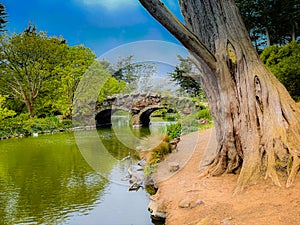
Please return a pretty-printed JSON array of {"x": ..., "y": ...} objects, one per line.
[{"x": 187, "y": 38}]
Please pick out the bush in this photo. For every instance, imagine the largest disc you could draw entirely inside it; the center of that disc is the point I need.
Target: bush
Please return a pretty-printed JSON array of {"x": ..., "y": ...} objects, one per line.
[
  {"x": 284, "y": 63},
  {"x": 204, "y": 114},
  {"x": 174, "y": 130},
  {"x": 22, "y": 124}
]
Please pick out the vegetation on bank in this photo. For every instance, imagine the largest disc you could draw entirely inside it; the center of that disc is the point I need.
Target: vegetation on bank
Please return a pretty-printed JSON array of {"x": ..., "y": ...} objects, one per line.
[
  {"x": 185, "y": 125},
  {"x": 23, "y": 125}
]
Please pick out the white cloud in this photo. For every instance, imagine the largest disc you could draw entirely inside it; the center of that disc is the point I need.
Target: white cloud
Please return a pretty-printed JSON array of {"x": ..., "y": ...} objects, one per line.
[{"x": 111, "y": 4}]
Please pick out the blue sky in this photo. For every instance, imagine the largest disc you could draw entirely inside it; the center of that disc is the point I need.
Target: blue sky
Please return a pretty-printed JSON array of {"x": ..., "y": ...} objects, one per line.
[{"x": 98, "y": 24}]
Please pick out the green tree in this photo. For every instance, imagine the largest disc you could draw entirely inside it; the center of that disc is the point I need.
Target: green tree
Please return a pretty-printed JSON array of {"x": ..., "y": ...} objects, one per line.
[
  {"x": 57, "y": 93},
  {"x": 181, "y": 76},
  {"x": 3, "y": 16},
  {"x": 4, "y": 111},
  {"x": 271, "y": 21},
  {"x": 112, "y": 86},
  {"x": 131, "y": 73},
  {"x": 284, "y": 62},
  {"x": 27, "y": 60}
]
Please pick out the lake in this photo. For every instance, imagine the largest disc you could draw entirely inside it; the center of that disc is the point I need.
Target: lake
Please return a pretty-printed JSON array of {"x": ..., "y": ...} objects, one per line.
[{"x": 74, "y": 177}]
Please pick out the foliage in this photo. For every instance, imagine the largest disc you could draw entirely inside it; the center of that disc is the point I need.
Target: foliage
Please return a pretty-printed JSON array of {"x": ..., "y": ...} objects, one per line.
[
  {"x": 4, "y": 111},
  {"x": 149, "y": 169},
  {"x": 156, "y": 155},
  {"x": 41, "y": 71},
  {"x": 134, "y": 74},
  {"x": 112, "y": 86},
  {"x": 3, "y": 16},
  {"x": 159, "y": 152},
  {"x": 24, "y": 125},
  {"x": 174, "y": 130},
  {"x": 188, "y": 85},
  {"x": 57, "y": 94},
  {"x": 27, "y": 61},
  {"x": 204, "y": 114},
  {"x": 284, "y": 62},
  {"x": 166, "y": 114},
  {"x": 270, "y": 21}
]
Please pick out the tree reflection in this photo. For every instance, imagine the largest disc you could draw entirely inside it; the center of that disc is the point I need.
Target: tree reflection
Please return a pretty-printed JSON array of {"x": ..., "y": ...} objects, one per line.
[{"x": 44, "y": 180}]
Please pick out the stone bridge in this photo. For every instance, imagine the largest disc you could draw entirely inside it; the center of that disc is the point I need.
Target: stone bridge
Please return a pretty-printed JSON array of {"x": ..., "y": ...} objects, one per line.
[{"x": 140, "y": 106}]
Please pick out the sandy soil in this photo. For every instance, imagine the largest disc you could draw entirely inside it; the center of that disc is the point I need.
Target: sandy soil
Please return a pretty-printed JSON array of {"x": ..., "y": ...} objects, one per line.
[{"x": 191, "y": 200}]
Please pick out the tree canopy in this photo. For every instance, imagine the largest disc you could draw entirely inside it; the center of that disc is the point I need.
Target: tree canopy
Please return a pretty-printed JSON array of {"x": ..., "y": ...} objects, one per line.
[
  {"x": 284, "y": 62},
  {"x": 32, "y": 65},
  {"x": 271, "y": 21},
  {"x": 181, "y": 76},
  {"x": 3, "y": 16},
  {"x": 4, "y": 111}
]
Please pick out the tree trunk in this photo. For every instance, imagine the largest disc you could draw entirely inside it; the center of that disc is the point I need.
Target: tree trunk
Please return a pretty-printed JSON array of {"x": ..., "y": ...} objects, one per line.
[
  {"x": 256, "y": 120},
  {"x": 294, "y": 31},
  {"x": 268, "y": 37},
  {"x": 29, "y": 104}
]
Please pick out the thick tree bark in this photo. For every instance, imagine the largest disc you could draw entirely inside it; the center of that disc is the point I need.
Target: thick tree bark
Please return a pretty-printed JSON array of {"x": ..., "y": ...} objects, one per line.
[{"x": 257, "y": 122}]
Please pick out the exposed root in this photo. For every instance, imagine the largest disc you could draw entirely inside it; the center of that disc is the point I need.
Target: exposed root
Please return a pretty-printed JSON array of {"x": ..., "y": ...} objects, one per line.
[
  {"x": 204, "y": 173},
  {"x": 218, "y": 167},
  {"x": 294, "y": 171},
  {"x": 234, "y": 164},
  {"x": 271, "y": 170}
]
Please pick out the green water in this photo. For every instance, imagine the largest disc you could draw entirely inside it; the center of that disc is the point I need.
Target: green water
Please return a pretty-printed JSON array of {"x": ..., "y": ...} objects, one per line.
[{"x": 50, "y": 179}]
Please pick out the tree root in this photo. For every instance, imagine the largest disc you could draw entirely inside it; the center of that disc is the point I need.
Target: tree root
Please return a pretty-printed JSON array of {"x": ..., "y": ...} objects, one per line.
[
  {"x": 271, "y": 170},
  {"x": 251, "y": 168},
  {"x": 294, "y": 171}
]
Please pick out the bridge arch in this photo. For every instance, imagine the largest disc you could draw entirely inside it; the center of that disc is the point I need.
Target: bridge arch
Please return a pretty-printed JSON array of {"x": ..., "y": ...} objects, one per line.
[
  {"x": 104, "y": 117},
  {"x": 143, "y": 118},
  {"x": 140, "y": 107}
]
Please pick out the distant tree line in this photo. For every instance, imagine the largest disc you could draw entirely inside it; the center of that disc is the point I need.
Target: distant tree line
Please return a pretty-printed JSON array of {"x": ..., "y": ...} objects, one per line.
[{"x": 271, "y": 21}]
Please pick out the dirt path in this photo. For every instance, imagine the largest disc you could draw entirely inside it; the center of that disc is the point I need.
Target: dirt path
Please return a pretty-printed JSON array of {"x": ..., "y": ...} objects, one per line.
[{"x": 190, "y": 200}]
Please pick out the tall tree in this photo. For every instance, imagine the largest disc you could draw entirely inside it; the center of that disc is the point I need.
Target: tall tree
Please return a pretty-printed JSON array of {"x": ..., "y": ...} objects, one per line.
[
  {"x": 57, "y": 93},
  {"x": 271, "y": 21},
  {"x": 256, "y": 120},
  {"x": 181, "y": 76},
  {"x": 3, "y": 16},
  {"x": 27, "y": 61},
  {"x": 131, "y": 73}
]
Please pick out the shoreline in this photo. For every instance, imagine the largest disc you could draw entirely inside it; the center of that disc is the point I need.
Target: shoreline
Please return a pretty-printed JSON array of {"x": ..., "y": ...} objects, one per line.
[
  {"x": 185, "y": 198},
  {"x": 46, "y": 132}
]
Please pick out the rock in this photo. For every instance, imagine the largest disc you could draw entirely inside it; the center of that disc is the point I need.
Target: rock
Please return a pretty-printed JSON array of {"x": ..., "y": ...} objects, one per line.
[
  {"x": 142, "y": 162},
  {"x": 185, "y": 203},
  {"x": 157, "y": 208},
  {"x": 174, "y": 143},
  {"x": 226, "y": 221},
  {"x": 173, "y": 166},
  {"x": 190, "y": 202},
  {"x": 203, "y": 121}
]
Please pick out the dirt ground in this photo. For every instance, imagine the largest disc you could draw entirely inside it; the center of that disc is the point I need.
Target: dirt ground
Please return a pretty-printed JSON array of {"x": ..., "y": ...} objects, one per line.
[{"x": 191, "y": 200}]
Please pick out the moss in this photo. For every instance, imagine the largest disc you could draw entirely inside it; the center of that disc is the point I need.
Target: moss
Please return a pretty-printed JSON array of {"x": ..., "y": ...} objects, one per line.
[{"x": 150, "y": 189}]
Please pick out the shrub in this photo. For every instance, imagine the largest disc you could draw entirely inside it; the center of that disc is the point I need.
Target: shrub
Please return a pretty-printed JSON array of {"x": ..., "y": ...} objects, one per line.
[
  {"x": 284, "y": 62},
  {"x": 22, "y": 124},
  {"x": 174, "y": 130},
  {"x": 204, "y": 114}
]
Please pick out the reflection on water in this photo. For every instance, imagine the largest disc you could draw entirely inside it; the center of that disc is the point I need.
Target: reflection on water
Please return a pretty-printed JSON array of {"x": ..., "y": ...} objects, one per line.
[{"x": 46, "y": 180}]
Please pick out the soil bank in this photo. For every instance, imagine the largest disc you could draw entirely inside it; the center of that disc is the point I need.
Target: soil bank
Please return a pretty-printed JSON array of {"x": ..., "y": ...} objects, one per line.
[{"x": 189, "y": 199}]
